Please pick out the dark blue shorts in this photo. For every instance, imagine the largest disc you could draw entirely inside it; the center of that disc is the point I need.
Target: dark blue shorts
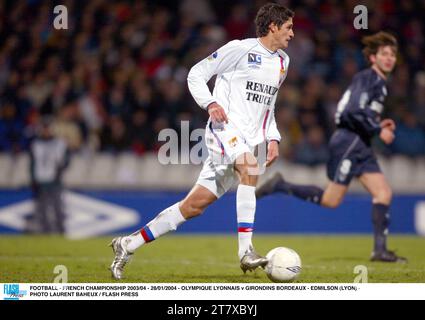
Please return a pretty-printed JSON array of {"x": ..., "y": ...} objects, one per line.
[{"x": 350, "y": 157}]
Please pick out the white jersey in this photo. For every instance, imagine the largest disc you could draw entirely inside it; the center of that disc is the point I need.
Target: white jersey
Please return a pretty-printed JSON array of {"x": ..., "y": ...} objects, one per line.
[{"x": 248, "y": 78}]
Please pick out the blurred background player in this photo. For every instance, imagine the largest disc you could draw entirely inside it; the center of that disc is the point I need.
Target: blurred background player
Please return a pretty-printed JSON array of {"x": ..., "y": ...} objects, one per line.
[
  {"x": 241, "y": 108},
  {"x": 358, "y": 120},
  {"x": 49, "y": 157}
]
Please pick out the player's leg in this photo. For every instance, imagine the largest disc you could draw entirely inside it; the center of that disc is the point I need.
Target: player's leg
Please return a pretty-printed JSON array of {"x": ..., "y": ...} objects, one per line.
[
  {"x": 58, "y": 206},
  {"x": 197, "y": 200},
  {"x": 341, "y": 169},
  {"x": 232, "y": 161},
  {"x": 277, "y": 183},
  {"x": 42, "y": 210},
  {"x": 331, "y": 197},
  {"x": 381, "y": 192},
  {"x": 168, "y": 220},
  {"x": 246, "y": 167}
]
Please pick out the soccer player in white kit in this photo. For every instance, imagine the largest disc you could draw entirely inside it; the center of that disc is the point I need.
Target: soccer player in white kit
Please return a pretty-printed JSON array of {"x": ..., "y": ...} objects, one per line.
[{"x": 241, "y": 108}]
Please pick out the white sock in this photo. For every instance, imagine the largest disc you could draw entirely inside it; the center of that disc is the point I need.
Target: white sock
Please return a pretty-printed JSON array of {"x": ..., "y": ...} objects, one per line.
[
  {"x": 245, "y": 209},
  {"x": 168, "y": 220}
]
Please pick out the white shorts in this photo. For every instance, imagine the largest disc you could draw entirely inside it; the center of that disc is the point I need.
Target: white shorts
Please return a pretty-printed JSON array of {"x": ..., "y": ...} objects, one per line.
[{"x": 225, "y": 144}]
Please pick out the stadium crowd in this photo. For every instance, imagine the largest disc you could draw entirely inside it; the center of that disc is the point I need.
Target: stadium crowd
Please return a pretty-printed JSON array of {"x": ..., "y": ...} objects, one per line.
[{"x": 117, "y": 76}]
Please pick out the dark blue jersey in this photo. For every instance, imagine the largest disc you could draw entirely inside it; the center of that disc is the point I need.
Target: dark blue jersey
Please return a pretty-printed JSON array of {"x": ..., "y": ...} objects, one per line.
[{"x": 361, "y": 106}]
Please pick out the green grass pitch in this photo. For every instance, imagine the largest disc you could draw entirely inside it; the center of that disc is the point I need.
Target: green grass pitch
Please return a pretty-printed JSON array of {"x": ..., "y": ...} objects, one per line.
[{"x": 204, "y": 258}]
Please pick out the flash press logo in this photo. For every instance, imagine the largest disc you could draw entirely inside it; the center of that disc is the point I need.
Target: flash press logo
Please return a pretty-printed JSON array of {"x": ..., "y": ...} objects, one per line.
[{"x": 12, "y": 292}]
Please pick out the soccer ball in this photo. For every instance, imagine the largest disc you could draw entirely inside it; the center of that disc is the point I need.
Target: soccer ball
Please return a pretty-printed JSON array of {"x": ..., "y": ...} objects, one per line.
[{"x": 284, "y": 265}]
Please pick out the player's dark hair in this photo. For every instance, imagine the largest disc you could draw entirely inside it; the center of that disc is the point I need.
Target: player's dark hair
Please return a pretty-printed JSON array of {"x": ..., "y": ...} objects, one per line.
[
  {"x": 271, "y": 13},
  {"x": 373, "y": 42}
]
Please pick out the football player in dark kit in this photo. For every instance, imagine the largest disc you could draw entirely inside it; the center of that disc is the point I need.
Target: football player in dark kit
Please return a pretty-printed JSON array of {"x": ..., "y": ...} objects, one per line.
[{"x": 358, "y": 120}]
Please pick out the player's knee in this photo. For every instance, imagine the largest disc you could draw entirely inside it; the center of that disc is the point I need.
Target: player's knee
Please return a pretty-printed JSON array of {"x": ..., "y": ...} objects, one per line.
[
  {"x": 383, "y": 196},
  {"x": 331, "y": 203},
  {"x": 248, "y": 174}
]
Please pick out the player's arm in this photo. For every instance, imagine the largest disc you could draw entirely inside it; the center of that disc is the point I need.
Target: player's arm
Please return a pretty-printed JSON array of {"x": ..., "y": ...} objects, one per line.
[
  {"x": 273, "y": 135},
  {"x": 224, "y": 59},
  {"x": 388, "y": 123},
  {"x": 384, "y": 129},
  {"x": 367, "y": 121},
  {"x": 387, "y": 131},
  {"x": 367, "y": 118},
  {"x": 273, "y": 139}
]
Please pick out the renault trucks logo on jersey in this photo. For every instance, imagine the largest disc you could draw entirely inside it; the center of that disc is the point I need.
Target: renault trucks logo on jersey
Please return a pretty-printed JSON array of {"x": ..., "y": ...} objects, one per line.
[
  {"x": 254, "y": 59},
  {"x": 12, "y": 292}
]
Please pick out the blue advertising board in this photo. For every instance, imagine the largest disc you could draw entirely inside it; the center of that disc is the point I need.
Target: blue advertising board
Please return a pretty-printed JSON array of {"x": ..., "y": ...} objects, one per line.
[{"x": 129, "y": 210}]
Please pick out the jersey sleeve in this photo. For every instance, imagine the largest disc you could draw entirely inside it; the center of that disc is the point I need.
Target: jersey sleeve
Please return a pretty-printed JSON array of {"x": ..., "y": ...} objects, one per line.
[{"x": 223, "y": 60}]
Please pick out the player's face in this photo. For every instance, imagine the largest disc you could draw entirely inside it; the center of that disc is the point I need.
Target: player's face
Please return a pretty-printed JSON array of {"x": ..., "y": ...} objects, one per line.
[
  {"x": 385, "y": 59},
  {"x": 284, "y": 34}
]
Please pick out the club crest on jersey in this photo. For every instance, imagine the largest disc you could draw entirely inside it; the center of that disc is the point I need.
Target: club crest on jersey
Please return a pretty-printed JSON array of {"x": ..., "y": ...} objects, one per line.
[
  {"x": 233, "y": 142},
  {"x": 212, "y": 56},
  {"x": 254, "y": 59}
]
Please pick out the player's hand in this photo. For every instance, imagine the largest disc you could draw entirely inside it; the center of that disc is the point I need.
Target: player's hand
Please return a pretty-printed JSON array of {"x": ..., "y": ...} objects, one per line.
[
  {"x": 387, "y": 135},
  {"x": 388, "y": 123},
  {"x": 272, "y": 152},
  {"x": 217, "y": 113}
]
